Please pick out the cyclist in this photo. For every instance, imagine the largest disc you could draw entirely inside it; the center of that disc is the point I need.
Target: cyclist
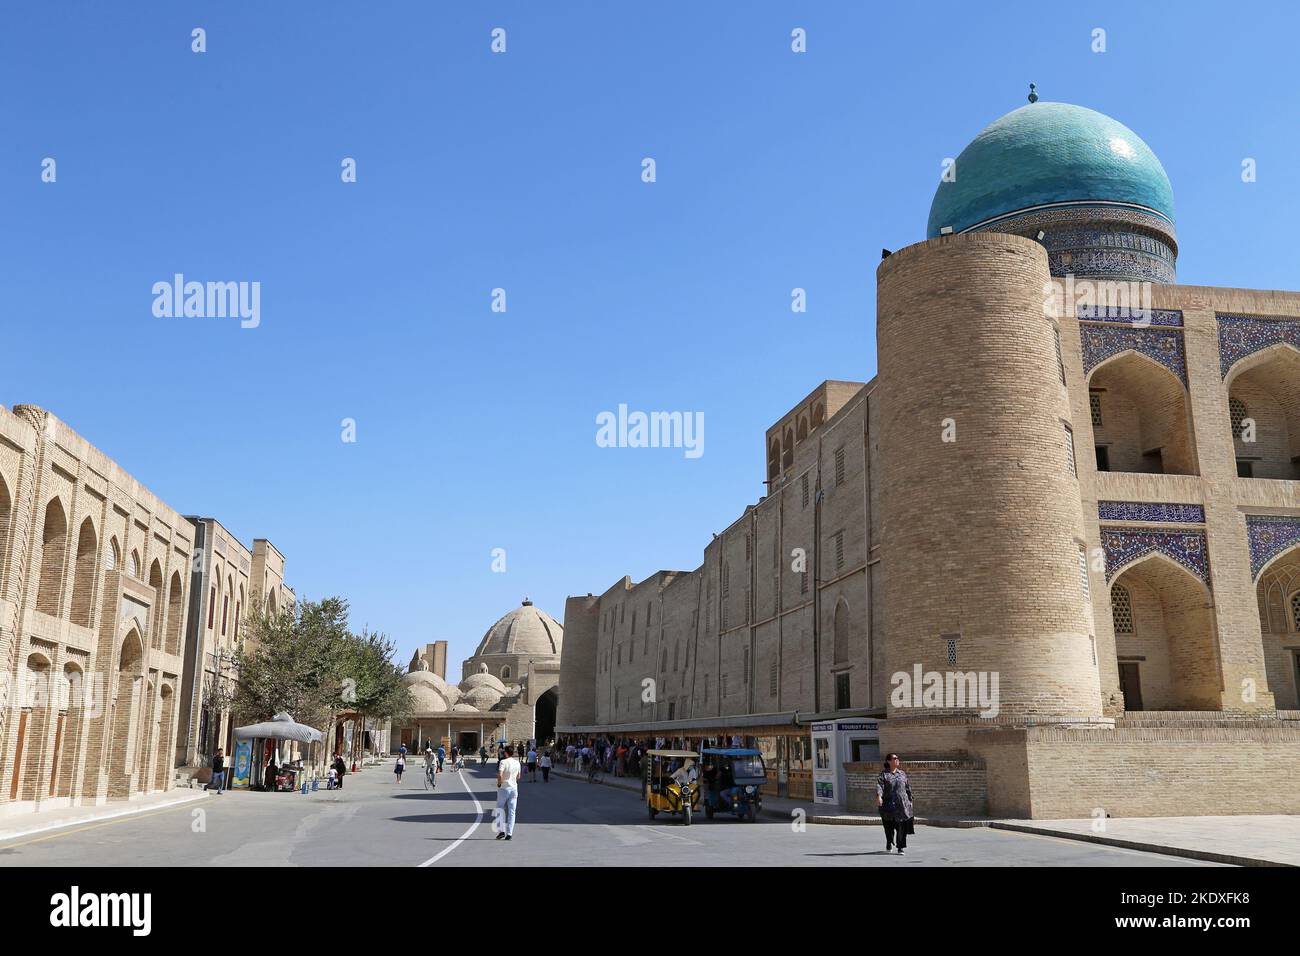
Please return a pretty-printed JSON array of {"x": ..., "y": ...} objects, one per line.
[{"x": 429, "y": 765}]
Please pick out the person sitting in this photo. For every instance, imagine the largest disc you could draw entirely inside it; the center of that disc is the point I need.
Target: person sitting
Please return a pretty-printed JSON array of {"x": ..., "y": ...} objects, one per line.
[{"x": 685, "y": 774}]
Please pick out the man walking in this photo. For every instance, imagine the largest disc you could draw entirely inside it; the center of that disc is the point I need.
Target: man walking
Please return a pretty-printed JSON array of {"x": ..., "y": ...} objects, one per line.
[
  {"x": 546, "y": 766},
  {"x": 218, "y": 780},
  {"x": 508, "y": 771},
  {"x": 532, "y": 765}
]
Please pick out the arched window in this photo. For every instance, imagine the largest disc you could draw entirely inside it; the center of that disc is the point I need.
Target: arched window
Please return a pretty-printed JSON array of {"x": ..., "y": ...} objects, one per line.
[
  {"x": 239, "y": 606},
  {"x": 54, "y": 545},
  {"x": 83, "y": 581},
  {"x": 1295, "y": 611},
  {"x": 841, "y": 628},
  {"x": 135, "y": 564},
  {"x": 774, "y": 458},
  {"x": 156, "y": 612},
  {"x": 505, "y": 672},
  {"x": 112, "y": 556},
  {"x": 803, "y": 428},
  {"x": 787, "y": 453},
  {"x": 212, "y": 605},
  {"x": 1121, "y": 609}
]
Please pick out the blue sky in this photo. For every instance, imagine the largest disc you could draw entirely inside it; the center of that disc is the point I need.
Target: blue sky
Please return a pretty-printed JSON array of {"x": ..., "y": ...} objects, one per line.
[{"x": 476, "y": 430}]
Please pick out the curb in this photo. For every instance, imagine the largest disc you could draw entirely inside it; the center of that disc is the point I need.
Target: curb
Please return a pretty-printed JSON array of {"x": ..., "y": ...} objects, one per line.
[
  {"x": 92, "y": 817},
  {"x": 1208, "y": 856}
]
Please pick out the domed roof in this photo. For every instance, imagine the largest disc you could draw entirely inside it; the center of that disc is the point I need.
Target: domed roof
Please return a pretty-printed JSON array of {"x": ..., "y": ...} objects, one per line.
[
  {"x": 483, "y": 679},
  {"x": 428, "y": 678},
  {"x": 426, "y": 700},
  {"x": 484, "y": 698},
  {"x": 1050, "y": 154},
  {"x": 525, "y": 630},
  {"x": 465, "y": 709}
]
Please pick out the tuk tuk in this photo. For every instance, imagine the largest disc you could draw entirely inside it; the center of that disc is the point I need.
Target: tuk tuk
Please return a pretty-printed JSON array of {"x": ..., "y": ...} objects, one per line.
[
  {"x": 670, "y": 783},
  {"x": 733, "y": 781}
]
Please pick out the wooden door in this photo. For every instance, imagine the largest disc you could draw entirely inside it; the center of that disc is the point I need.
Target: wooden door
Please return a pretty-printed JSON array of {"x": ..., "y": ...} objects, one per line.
[{"x": 1130, "y": 685}]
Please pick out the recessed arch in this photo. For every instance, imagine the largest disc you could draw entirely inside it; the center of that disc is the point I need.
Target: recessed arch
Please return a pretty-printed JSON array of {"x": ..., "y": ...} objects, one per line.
[
  {"x": 840, "y": 629},
  {"x": 6, "y": 515},
  {"x": 1145, "y": 423},
  {"x": 1266, "y": 385},
  {"x": 175, "y": 613},
  {"x": 156, "y": 611},
  {"x": 83, "y": 576},
  {"x": 1169, "y": 659},
  {"x": 1277, "y": 591},
  {"x": 54, "y": 546}
]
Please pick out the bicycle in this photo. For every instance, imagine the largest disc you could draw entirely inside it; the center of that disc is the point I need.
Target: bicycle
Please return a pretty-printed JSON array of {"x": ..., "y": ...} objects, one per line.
[
  {"x": 595, "y": 772},
  {"x": 430, "y": 781}
]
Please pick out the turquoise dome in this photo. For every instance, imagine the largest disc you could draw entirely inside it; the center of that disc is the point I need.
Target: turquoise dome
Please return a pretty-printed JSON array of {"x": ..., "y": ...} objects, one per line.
[{"x": 1047, "y": 155}]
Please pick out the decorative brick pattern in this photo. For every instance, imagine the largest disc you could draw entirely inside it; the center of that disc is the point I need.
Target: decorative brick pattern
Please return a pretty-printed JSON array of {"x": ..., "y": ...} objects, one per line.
[
  {"x": 1243, "y": 335},
  {"x": 1125, "y": 545},
  {"x": 1150, "y": 511}
]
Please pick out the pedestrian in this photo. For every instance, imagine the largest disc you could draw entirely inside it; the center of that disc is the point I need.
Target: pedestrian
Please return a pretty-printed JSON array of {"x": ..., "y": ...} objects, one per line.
[
  {"x": 442, "y": 753},
  {"x": 399, "y": 767},
  {"x": 218, "y": 772},
  {"x": 532, "y": 764},
  {"x": 341, "y": 767},
  {"x": 272, "y": 771},
  {"x": 508, "y": 771},
  {"x": 894, "y": 801},
  {"x": 546, "y": 766},
  {"x": 482, "y": 755}
]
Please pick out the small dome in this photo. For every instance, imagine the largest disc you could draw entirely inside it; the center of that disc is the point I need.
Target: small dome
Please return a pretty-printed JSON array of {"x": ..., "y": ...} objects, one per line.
[
  {"x": 1050, "y": 155},
  {"x": 483, "y": 679},
  {"x": 426, "y": 700},
  {"x": 465, "y": 709},
  {"x": 484, "y": 698},
  {"x": 525, "y": 630}
]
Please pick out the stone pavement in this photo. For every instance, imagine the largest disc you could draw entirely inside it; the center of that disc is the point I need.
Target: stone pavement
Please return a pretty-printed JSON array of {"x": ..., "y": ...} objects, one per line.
[
  {"x": 30, "y": 822},
  {"x": 1235, "y": 840}
]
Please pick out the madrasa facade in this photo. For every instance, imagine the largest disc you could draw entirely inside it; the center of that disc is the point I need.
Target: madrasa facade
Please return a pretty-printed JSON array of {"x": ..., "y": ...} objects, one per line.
[
  {"x": 508, "y": 689},
  {"x": 1050, "y": 554}
]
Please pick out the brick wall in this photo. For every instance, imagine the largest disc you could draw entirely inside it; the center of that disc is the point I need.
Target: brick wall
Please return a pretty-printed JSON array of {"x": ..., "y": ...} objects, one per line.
[{"x": 940, "y": 788}]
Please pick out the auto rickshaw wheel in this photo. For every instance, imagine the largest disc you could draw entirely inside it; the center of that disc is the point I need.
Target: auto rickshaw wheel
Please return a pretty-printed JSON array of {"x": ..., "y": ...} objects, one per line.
[
  {"x": 751, "y": 814},
  {"x": 686, "y": 810},
  {"x": 653, "y": 813}
]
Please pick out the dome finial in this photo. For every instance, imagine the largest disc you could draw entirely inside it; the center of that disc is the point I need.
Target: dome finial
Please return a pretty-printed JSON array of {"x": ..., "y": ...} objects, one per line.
[
  {"x": 1033, "y": 97},
  {"x": 527, "y": 601}
]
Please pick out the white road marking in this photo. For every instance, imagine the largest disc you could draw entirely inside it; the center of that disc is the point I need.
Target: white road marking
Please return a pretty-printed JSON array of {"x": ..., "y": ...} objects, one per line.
[
  {"x": 466, "y": 835},
  {"x": 627, "y": 839},
  {"x": 669, "y": 836}
]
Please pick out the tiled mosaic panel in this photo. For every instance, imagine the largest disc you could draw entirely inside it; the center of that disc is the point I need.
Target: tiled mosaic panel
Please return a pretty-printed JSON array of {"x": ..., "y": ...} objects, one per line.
[
  {"x": 1123, "y": 545},
  {"x": 1242, "y": 335},
  {"x": 1169, "y": 317},
  {"x": 1269, "y": 536},
  {"x": 1150, "y": 511},
  {"x": 1100, "y": 342}
]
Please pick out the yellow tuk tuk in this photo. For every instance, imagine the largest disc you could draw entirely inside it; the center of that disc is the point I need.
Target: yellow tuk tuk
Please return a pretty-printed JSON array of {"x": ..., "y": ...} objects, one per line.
[{"x": 671, "y": 783}]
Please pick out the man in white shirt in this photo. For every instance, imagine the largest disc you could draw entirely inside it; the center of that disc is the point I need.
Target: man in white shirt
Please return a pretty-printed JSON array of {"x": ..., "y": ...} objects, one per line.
[{"x": 508, "y": 771}]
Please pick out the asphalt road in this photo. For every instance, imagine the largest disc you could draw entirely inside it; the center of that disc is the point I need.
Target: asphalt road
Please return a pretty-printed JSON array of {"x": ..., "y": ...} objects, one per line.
[{"x": 374, "y": 822}]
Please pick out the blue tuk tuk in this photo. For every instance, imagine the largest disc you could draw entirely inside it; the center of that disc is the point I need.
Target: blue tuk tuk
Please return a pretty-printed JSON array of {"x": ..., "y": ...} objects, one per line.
[{"x": 733, "y": 781}]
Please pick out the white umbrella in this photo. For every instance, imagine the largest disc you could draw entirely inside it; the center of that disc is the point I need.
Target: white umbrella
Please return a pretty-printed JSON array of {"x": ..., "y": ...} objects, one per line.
[{"x": 280, "y": 727}]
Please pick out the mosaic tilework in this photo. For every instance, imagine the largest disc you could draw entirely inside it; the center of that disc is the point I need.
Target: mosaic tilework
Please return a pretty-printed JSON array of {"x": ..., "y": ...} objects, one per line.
[
  {"x": 1123, "y": 545},
  {"x": 1269, "y": 536},
  {"x": 1100, "y": 342},
  {"x": 1242, "y": 335},
  {"x": 1150, "y": 511},
  {"x": 1169, "y": 317}
]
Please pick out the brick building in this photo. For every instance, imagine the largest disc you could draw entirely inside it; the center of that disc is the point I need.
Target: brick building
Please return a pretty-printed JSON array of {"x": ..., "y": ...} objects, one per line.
[
  {"x": 1071, "y": 476},
  {"x": 93, "y": 588}
]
